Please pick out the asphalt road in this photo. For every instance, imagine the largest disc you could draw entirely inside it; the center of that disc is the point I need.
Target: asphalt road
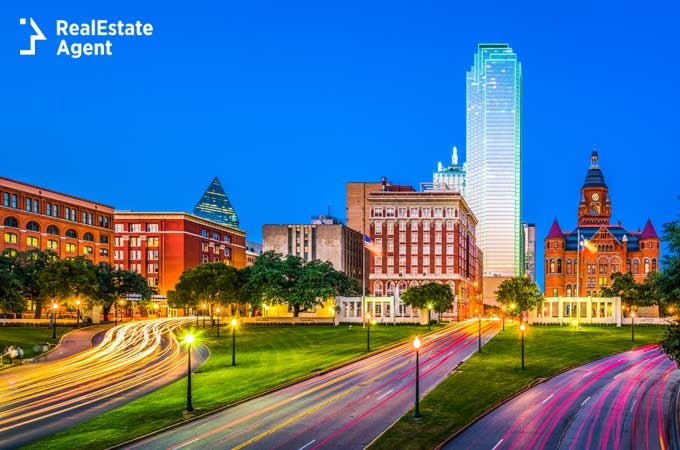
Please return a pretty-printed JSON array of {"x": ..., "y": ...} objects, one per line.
[
  {"x": 343, "y": 409},
  {"x": 620, "y": 402},
  {"x": 132, "y": 360}
]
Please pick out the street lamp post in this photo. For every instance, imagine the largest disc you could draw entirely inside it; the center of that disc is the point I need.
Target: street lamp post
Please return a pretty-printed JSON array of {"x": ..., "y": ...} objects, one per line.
[
  {"x": 122, "y": 310},
  {"x": 429, "y": 321},
  {"x": 78, "y": 313},
  {"x": 503, "y": 308},
  {"x": 368, "y": 332},
  {"x": 479, "y": 334},
  {"x": 204, "y": 315},
  {"x": 522, "y": 327},
  {"x": 189, "y": 340},
  {"x": 632, "y": 327},
  {"x": 416, "y": 345},
  {"x": 233, "y": 341},
  {"x": 54, "y": 320},
  {"x": 217, "y": 310}
]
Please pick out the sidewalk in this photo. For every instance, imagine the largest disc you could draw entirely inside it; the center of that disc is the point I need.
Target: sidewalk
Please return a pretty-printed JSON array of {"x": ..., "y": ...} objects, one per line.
[{"x": 73, "y": 342}]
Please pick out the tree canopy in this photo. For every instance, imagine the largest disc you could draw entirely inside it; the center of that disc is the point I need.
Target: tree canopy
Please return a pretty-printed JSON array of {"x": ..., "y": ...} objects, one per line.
[
  {"x": 520, "y": 291},
  {"x": 436, "y": 296}
]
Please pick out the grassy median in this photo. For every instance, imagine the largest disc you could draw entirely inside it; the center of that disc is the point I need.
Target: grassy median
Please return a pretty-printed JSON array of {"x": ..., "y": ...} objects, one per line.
[
  {"x": 494, "y": 375},
  {"x": 28, "y": 337},
  {"x": 266, "y": 357}
]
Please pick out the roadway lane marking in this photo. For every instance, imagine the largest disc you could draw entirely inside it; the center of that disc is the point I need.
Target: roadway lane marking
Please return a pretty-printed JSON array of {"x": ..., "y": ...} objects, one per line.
[
  {"x": 585, "y": 401},
  {"x": 386, "y": 394},
  {"x": 587, "y": 373},
  {"x": 496, "y": 446},
  {"x": 308, "y": 444},
  {"x": 185, "y": 444},
  {"x": 547, "y": 399},
  {"x": 633, "y": 406}
]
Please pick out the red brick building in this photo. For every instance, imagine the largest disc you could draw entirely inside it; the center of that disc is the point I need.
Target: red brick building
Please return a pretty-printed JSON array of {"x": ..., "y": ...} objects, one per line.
[
  {"x": 161, "y": 246},
  {"x": 35, "y": 218},
  {"x": 421, "y": 237},
  {"x": 613, "y": 249}
]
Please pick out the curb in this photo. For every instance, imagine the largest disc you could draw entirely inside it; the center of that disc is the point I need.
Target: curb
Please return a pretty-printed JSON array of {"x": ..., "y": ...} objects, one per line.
[
  {"x": 675, "y": 420},
  {"x": 532, "y": 384},
  {"x": 263, "y": 393},
  {"x": 35, "y": 359}
]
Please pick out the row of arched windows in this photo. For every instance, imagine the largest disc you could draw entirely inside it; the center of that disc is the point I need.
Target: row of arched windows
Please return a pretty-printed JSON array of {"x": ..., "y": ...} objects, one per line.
[
  {"x": 12, "y": 222},
  {"x": 612, "y": 265},
  {"x": 389, "y": 286}
]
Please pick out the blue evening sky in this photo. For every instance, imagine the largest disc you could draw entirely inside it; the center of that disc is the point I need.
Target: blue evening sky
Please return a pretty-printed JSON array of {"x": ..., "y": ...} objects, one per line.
[{"x": 285, "y": 102}]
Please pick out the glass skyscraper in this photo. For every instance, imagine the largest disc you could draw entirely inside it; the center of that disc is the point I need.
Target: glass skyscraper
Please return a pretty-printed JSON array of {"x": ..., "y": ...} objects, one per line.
[{"x": 494, "y": 100}]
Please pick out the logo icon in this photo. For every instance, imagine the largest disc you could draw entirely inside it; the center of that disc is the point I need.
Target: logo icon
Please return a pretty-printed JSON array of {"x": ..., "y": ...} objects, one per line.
[{"x": 37, "y": 36}]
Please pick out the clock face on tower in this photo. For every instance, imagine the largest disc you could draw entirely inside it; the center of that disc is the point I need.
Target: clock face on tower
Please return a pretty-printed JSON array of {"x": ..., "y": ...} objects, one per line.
[{"x": 595, "y": 196}]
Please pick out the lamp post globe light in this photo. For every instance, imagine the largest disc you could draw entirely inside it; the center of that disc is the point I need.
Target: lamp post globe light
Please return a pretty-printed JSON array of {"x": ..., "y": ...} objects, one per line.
[
  {"x": 522, "y": 327},
  {"x": 217, "y": 310},
  {"x": 416, "y": 345},
  {"x": 189, "y": 340},
  {"x": 78, "y": 313},
  {"x": 368, "y": 332},
  {"x": 234, "y": 322},
  {"x": 54, "y": 320}
]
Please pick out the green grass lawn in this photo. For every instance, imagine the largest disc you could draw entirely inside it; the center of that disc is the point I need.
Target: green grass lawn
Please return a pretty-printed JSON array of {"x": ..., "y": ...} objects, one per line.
[
  {"x": 266, "y": 357},
  {"x": 490, "y": 377},
  {"x": 27, "y": 337}
]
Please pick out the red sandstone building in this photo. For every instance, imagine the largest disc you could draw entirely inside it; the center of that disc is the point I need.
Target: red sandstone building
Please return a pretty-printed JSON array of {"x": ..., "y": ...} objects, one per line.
[
  {"x": 421, "y": 237},
  {"x": 161, "y": 246},
  {"x": 613, "y": 249},
  {"x": 35, "y": 218}
]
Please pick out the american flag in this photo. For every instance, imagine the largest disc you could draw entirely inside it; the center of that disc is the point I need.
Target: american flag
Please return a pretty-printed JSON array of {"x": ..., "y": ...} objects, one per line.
[{"x": 370, "y": 246}]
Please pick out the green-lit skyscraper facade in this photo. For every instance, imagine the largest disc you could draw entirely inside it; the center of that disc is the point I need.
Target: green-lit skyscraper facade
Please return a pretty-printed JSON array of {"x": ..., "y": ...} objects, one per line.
[
  {"x": 493, "y": 137},
  {"x": 214, "y": 205}
]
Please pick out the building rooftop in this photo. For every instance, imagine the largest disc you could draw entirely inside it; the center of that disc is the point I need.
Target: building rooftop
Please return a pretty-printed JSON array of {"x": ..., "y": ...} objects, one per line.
[{"x": 215, "y": 206}]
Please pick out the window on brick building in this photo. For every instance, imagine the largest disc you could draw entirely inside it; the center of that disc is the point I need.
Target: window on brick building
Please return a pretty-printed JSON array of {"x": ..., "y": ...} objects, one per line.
[
  {"x": 87, "y": 250},
  {"x": 402, "y": 212},
  {"x": 555, "y": 292},
  {"x": 135, "y": 241},
  {"x": 52, "y": 244},
  {"x": 414, "y": 236},
  {"x": 70, "y": 247},
  {"x": 135, "y": 227},
  {"x": 377, "y": 227},
  {"x": 646, "y": 265},
  {"x": 414, "y": 212},
  {"x": 390, "y": 228},
  {"x": 152, "y": 241},
  {"x": 104, "y": 252},
  {"x": 654, "y": 265},
  {"x": 119, "y": 228},
  {"x": 10, "y": 238},
  {"x": 389, "y": 212},
  {"x": 88, "y": 237}
]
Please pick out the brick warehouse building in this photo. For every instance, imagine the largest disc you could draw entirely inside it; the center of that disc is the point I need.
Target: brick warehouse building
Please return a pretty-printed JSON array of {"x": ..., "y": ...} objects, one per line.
[
  {"x": 614, "y": 249},
  {"x": 35, "y": 218},
  {"x": 161, "y": 245},
  {"x": 426, "y": 236}
]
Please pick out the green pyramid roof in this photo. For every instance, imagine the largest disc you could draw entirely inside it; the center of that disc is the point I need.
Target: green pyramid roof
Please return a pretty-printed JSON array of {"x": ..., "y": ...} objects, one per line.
[{"x": 214, "y": 205}]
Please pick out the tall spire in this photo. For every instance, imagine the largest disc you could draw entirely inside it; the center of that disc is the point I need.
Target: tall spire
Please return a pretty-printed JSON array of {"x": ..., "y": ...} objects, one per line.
[
  {"x": 594, "y": 158},
  {"x": 214, "y": 205},
  {"x": 454, "y": 156}
]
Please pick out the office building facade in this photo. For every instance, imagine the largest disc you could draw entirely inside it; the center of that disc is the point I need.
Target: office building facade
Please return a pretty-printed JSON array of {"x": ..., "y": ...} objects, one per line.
[{"x": 493, "y": 141}]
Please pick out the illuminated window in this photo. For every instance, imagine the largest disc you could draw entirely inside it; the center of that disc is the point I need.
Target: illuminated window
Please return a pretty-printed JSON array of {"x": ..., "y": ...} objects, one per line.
[
  {"x": 70, "y": 247},
  {"x": 87, "y": 250},
  {"x": 135, "y": 242},
  {"x": 32, "y": 241},
  {"x": 119, "y": 227},
  {"x": 52, "y": 244},
  {"x": 10, "y": 238},
  {"x": 152, "y": 242}
]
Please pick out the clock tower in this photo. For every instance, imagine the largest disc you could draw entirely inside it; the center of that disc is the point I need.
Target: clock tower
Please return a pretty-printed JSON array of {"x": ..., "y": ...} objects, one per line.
[{"x": 595, "y": 207}]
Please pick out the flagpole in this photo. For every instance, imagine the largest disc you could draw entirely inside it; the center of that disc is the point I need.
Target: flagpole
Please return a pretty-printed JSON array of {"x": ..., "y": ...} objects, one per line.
[
  {"x": 578, "y": 263},
  {"x": 363, "y": 277}
]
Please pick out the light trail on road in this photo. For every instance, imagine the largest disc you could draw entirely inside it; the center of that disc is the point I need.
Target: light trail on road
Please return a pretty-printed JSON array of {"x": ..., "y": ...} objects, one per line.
[
  {"x": 129, "y": 356},
  {"x": 345, "y": 408},
  {"x": 623, "y": 401}
]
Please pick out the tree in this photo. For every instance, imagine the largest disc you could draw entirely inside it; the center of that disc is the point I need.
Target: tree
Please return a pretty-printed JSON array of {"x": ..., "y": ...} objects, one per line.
[
  {"x": 302, "y": 285},
  {"x": 211, "y": 283},
  {"x": 438, "y": 296},
  {"x": 10, "y": 299},
  {"x": 414, "y": 296},
  {"x": 668, "y": 285},
  {"x": 520, "y": 291},
  {"x": 28, "y": 266},
  {"x": 632, "y": 293}
]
